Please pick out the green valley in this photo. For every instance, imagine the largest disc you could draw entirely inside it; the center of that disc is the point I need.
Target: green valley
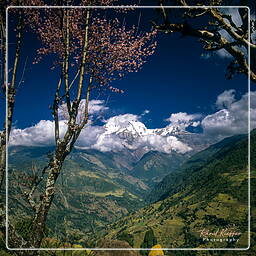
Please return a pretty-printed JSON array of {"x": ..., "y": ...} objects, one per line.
[
  {"x": 98, "y": 201},
  {"x": 207, "y": 194}
]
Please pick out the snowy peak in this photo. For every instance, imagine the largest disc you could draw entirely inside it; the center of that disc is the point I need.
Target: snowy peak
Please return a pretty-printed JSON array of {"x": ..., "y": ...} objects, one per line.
[
  {"x": 170, "y": 131},
  {"x": 134, "y": 128},
  {"x": 128, "y": 132}
]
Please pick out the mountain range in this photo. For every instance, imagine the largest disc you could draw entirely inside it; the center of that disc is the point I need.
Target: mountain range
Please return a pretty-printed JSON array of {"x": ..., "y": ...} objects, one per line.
[
  {"x": 209, "y": 192},
  {"x": 125, "y": 194},
  {"x": 134, "y": 138}
]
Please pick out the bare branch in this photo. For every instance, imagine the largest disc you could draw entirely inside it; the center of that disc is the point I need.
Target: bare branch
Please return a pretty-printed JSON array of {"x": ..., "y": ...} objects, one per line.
[
  {"x": 23, "y": 73},
  {"x": 211, "y": 35},
  {"x": 84, "y": 52},
  {"x": 73, "y": 81},
  {"x": 66, "y": 61},
  {"x": 228, "y": 27},
  {"x": 37, "y": 180},
  {"x": 56, "y": 112},
  {"x": 11, "y": 88},
  {"x": 186, "y": 30},
  {"x": 71, "y": 84}
]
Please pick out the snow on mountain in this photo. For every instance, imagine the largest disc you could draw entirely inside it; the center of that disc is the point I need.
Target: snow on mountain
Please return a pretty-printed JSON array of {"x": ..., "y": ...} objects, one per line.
[
  {"x": 127, "y": 132},
  {"x": 121, "y": 133},
  {"x": 170, "y": 130},
  {"x": 138, "y": 129}
]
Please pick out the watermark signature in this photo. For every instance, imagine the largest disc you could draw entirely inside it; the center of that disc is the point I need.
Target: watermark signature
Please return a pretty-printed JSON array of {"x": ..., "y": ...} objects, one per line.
[{"x": 225, "y": 234}]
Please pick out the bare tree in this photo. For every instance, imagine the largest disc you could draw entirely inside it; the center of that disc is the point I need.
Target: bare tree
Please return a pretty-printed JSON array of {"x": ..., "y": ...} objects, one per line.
[
  {"x": 216, "y": 29},
  {"x": 11, "y": 87},
  {"x": 5, "y": 133}
]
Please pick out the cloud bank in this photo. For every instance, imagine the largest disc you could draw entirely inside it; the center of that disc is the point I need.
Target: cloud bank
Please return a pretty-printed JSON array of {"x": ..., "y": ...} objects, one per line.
[{"x": 127, "y": 131}]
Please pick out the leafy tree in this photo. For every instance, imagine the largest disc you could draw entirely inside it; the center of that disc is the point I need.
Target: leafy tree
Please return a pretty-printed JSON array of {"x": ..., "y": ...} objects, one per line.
[{"x": 149, "y": 241}]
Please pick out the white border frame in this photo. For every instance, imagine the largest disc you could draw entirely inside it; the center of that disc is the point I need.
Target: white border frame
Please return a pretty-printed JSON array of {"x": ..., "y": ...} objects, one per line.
[{"x": 249, "y": 129}]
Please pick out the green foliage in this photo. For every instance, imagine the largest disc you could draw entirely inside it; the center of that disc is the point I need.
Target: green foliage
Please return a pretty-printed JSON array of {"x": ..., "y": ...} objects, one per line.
[
  {"x": 213, "y": 220},
  {"x": 3, "y": 250},
  {"x": 201, "y": 164},
  {"x": 91, "y": 191},
  {"x": 149, "y": 241}
]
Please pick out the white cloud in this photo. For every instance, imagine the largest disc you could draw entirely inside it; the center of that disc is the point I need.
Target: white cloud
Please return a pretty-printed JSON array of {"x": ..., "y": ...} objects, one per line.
[
  {"x": 163, "y": 144},
  {"x": 108, "y": 142},
  {"x": 118, "y": 133},
  {"x": 95, "y": 107},
  {"x": 225, "y": 99},
  {"x": 145, "y": 112},
  {"x": 89, "y": 136},
  {"x": 41, "y": 134},
  {"x": 233, "y": 119},
  {"x": 184, "y": 120},
  {"x": 129, "y": 132}
]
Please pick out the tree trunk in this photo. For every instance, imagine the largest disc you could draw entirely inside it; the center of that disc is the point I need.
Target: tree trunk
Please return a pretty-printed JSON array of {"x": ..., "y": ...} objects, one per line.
[
  {"x": 10, "y": 99},
  {"x": 38, "y": 226}
]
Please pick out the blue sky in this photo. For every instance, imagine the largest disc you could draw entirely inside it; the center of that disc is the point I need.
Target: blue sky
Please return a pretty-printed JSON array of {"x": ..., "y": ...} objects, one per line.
[
  {"x": 175, "y": 79},
  {"x": 180, "y": 86}
]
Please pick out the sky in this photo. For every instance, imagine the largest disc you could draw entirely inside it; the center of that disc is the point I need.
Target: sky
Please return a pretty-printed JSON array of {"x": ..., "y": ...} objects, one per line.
[{"x": 178, "y": 81}]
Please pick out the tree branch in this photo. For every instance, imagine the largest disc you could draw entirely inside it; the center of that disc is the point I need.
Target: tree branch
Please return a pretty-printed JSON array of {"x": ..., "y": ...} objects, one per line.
[
  {"x": 55, "y": 111},
  {"x": 11, "y": 88},
  {"x": 218, "y": 16},
  {"x": 213, "y": 39},
  {"x": 36, "y": 182},
  {"x": 66, "y": 60},
  {"x": 84, "y": 52},
  {"x": 186, "y": 30}
]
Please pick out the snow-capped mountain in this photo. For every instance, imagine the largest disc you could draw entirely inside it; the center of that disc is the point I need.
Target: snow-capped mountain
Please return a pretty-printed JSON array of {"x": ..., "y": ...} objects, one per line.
[
  {"x": 122, "y": 134},
  {"x": 134, "y": 136},
  {"x": 171, "y": 130},
  {"x": 137, "y": 129}
]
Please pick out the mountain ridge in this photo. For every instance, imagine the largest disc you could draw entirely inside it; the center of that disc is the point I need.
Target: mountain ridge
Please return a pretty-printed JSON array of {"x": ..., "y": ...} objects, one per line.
[
  {"x": 198, "y": 160},
  {"x": 212, "y": 195}
]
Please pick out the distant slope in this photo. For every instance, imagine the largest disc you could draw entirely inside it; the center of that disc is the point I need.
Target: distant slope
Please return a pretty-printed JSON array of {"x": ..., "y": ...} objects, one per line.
[
  {"x": 153, "y": 166},
  {"x": 209, "y": 193},
  {"x": 175, "y": 179}
]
